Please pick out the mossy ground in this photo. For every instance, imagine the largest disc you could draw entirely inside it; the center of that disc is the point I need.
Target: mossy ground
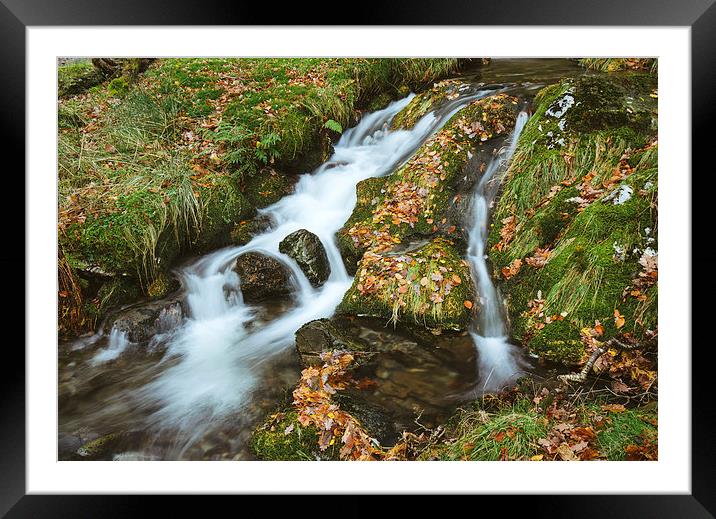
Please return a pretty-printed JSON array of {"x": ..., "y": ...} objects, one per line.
[
  {"x": 427, "y": 282},
  {"x": 283, "y": 438},
  {"x": 617, "y": 64},
  {"x": 520, "y": 429},
  {"x": 596, "y": 134},
  {"x": 77, "y": 77},
  {"x": 153, "y": 165}
]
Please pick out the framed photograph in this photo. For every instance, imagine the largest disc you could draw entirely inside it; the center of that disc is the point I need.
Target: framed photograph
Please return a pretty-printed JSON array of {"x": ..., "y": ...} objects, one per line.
[{"x": 268, "y": 254}]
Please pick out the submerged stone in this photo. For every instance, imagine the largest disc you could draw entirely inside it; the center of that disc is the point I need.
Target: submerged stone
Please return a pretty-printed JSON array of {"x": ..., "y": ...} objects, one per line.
[{"x": 308, "y": 251}]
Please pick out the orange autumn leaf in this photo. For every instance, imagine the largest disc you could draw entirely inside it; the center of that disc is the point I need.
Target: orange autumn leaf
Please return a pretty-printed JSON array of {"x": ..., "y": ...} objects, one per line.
[
  {"x": 618, "y": 319},
  {"x": 512, "y": 269},
  {"x": 468, "y": 304}
]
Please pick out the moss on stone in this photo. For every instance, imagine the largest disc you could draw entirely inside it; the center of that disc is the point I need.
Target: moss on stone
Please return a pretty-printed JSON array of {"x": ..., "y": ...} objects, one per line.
[
  {"x": 267, "y": 188},
  {"x": 594, "y": 250},
  {"x": 424, "y": 103},
  {"x": 401, "y": 225},
  {"x": 427, "y": 286},
  {"x": 283, "y": 438}
]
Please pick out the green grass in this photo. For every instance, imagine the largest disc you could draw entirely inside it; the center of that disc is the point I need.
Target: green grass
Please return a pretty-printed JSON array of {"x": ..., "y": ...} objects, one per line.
[
  {"x": 484, "y": 436},
  {"x": 616, "y": 64},
  {"x": 494, "y": 430}
]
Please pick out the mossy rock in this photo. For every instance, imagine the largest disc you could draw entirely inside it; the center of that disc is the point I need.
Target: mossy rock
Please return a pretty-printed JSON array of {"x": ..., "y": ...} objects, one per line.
[
  {"x": 415, "y": 199},
  {"x": 283, "y": 438},
  {"x": 594, "y": 125},
  {"x": 424, "y": 103},
  {"x": 267, "y": 187},
  {"x": 306, "y": 249},
  {"x": 427, "y": 286}
]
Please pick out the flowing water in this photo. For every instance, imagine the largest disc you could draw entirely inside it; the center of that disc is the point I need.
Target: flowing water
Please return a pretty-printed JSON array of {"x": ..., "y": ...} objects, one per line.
[
  {"x": 499, "y": 361},
  {"x": 195, "y": 390}
]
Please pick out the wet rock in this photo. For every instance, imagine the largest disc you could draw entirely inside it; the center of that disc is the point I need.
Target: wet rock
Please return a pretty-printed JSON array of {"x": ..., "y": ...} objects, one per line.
[
  {"x": 262, "y": 276},
  {"x": 322, "y": 335},
  {"x": 405, "y": 372},
  {"x": 308, "y": 251},
  {"x": 244, "y": 231},
  {"x": 142, "y": 322},
  {"x": 106, "y": 447}
]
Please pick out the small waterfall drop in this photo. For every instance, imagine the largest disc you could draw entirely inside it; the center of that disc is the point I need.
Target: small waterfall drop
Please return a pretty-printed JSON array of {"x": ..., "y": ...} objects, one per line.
[{"x": 498, "y": 363}]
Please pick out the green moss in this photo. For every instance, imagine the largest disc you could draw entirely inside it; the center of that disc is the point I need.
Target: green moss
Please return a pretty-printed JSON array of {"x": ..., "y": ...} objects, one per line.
[
  {"x": 423, "y": 103},
  {"x": 77, "y": 77},
  {"x": 585, "y": 276},
  {"x": 268, "y": 188},
  {"x": 271, "y": 442},
  {"x": 558, "y": 341},
  {"x": 118, "y": 87},
  {"x": 162, "y": 286},
  {"x": 423, "y": 292}
]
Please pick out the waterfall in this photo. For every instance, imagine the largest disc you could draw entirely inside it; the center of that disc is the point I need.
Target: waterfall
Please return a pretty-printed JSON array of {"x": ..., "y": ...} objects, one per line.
[
  {"x": 220, "y": 350},
  {"x": 497, "y": 358}
]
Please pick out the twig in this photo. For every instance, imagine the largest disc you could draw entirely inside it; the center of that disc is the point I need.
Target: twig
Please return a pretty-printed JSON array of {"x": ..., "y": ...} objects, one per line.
[{"x": 601, "y": 350}]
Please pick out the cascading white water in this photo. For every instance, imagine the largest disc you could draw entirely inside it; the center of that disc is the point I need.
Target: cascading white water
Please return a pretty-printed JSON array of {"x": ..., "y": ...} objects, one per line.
[
  {"x": 116, "y": 345},
  {"x": 497, "y": 357},
  {"x": 221, "y": 356}
]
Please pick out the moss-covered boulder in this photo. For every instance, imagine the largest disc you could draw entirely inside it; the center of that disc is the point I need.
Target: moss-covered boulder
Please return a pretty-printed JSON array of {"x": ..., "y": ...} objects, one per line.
[
  {"x": 574, "y": 238},
  {"x": 407, "y": 241},
  {"x": 429, "y": 286},
  {"x": 308, "y": 251}
]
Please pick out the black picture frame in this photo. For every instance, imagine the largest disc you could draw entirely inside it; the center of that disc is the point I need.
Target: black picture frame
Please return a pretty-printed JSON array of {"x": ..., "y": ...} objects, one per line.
[{"x": 700, "y": 15}]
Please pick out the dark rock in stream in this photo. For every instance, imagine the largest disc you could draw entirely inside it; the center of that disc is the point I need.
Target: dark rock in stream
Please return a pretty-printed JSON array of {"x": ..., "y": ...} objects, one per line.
[
  {"x": 262, "y": 276},
  {"x": 144, "y": 321},
  {"x": 308, "y": 251},
  {"x": 405, "y": 372}
]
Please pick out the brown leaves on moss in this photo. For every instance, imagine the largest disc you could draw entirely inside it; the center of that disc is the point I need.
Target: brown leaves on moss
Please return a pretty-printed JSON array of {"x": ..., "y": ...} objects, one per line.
[
  {"x": 512, "y": 269},
  {"x": 507, "y": 232},
  {"x": 647, "y": 278},
  {"x": 539, "y": 258},
  {"x": 313, "y": 401},
  {"x": 412, "y": 283}
]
